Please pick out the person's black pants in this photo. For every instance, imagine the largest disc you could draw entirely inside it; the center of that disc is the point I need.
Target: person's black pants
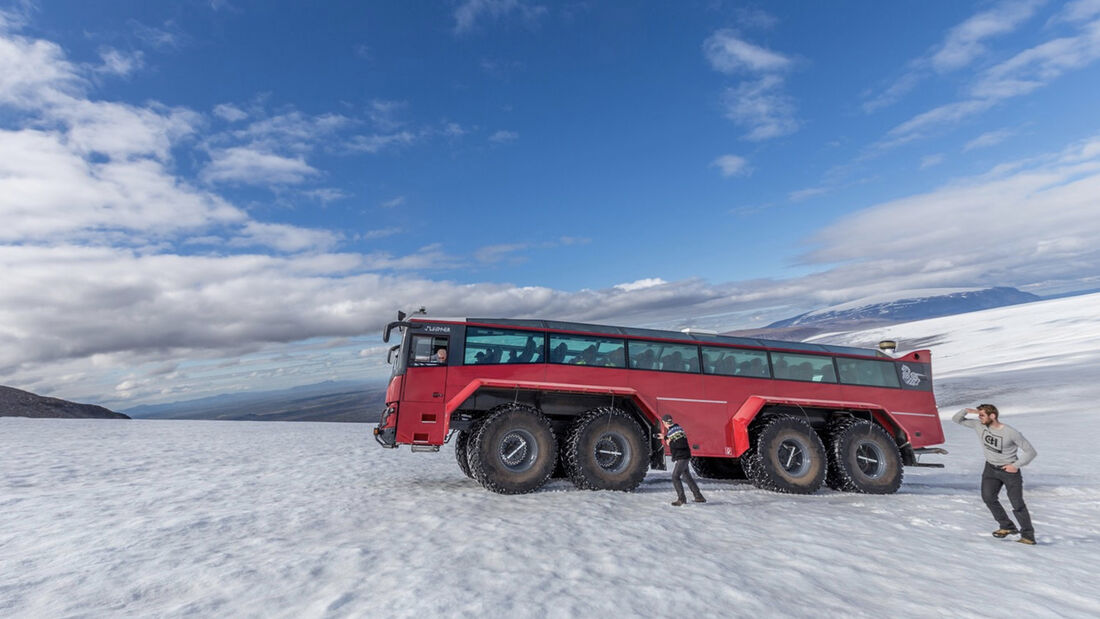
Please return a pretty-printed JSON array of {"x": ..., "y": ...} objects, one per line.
[
  {"x": 992, "y": 480},
  {"x": 680, "y": 469}
]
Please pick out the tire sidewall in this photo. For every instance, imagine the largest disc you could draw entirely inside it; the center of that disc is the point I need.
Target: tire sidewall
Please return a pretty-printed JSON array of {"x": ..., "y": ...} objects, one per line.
[
  {"x": 851, "y": 476},
  {"x": 585, "y": 471},
  {"x": 484, "y": 451},
  {"x": 768, "y": 471}
]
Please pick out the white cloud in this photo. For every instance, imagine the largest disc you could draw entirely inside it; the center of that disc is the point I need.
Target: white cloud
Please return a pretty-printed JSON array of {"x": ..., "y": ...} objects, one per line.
[
  {"x": 807, "y": 193},
  {"x": 762, "y": 108},
  {"x": 325, "y": 195},
  {"x": 393, "y": 202},
  {"x": 728, "y": 53},
  {"x": 497, "y": 253},
  {"x": 1021, "y": 74},
  {"x": 929, "y": 161},
  {"x": 502, "y": 136},
  {"x": 731, "y": 165},
  {"x": 245, "y": 166},
  {"x": 965, "y": 42},
  {"x": 229, "y": 112},
  {"x": 120, "y": 63},
  {"x": 284, "y": 238},
  {"x": 470, "y": 12},
  {"x": 384, "y": 114},
  {"x": 960, "y": 47},
  {"x": 759, "y": 104},
  {"x": 380, "y": 233},
  {"x": 377, "y": 143},
  {"x": 1078, "y": 11},
  {"x": 640, "y": 284},
  {"x": 989, "y": 138}
]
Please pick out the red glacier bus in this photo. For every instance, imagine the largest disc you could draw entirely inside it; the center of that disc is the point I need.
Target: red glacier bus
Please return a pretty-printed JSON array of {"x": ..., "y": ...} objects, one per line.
[{"x": 525, "y": 400}]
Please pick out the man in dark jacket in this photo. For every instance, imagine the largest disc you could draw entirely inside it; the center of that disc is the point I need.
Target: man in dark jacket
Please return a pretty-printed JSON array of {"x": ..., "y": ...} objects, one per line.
[{"x": 681, "y": 457}]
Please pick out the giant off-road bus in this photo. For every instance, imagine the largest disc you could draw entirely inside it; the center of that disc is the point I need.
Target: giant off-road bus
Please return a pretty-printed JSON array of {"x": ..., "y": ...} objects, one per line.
[{"x": 527, "y": 400}]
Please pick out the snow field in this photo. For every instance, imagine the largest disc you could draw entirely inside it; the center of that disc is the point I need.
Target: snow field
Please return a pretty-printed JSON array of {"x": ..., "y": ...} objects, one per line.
[{"x": 203, "y": 518}]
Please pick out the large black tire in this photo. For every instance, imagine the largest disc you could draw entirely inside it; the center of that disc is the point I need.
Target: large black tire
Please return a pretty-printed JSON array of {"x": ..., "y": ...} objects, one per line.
[
  {"x": 717, "y": 468},
  {"x": 462, "y": 440},
  {"x": 836, "y": 427},
  {"x": 607, "y": 450},
  {"x": 788, "y": 456},
  {"x": 863, "y": 458},
  {"x": 513, "y": 450}
]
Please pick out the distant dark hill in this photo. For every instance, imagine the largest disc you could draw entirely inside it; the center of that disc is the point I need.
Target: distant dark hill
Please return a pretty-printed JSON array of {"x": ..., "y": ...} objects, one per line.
[
  {"x": 327, "y": 401},
  {"x": 19, "y": 403}
]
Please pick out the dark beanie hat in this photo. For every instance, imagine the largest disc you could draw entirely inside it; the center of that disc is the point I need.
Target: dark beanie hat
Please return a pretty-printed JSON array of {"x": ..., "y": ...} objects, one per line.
[{"x": 667, "y": 418}]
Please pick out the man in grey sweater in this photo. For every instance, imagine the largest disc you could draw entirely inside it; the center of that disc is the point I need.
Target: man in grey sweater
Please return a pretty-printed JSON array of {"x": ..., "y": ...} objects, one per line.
[{"x": 1006, "y": 450}]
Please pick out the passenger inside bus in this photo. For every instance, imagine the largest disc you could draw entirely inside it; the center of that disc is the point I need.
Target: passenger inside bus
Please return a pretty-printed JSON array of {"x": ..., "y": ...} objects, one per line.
[
  {"x": 644, "y": 360},
  {"x": 558, "y": 354},
  {"x": 587, "y": 356},
  {"x": 673, "y": 362}
]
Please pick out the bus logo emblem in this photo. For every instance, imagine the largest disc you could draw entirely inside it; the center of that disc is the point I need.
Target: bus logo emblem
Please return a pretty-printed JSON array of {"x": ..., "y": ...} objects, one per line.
[{"x": 909, "y": 377}]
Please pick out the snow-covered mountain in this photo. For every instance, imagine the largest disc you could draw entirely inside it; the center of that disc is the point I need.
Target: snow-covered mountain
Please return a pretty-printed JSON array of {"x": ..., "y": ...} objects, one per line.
[
  {"x": 907, "y": 305},
  {"x": 184, "y": 518}
]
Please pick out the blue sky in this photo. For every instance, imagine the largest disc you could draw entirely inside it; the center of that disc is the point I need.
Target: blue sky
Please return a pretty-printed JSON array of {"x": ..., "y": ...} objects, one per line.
[{"x": 203, "y": 196}]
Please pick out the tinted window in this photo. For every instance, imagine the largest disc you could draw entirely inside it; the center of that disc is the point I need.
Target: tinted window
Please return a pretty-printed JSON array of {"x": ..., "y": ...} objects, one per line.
[
  {"x": 582, "y": 350},
  {"x": 664, "y": 357},
  {"x": 429, "y": 350},
  {"x": 734, "y": 362},
  {"x": 491, "y": 346},
  {"x": 867, "y": 372},
  {"x": 811, "y": 368}
]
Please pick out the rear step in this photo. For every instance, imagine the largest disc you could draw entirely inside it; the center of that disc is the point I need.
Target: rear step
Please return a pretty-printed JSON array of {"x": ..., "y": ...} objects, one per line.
[{"x": 920, "y": 451}]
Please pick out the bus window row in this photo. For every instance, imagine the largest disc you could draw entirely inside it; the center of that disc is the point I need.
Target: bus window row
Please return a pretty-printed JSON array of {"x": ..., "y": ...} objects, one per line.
[{"x": 485, "y": 346}]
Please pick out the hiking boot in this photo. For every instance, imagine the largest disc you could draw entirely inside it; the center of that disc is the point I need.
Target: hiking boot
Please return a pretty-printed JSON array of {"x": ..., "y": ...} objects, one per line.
[
  {"x": 678, "y": 502},
  {"x": 1000, "y": 533},
  {"x": 1030, "y": 541},
  {"x": 700, "y": 499}
]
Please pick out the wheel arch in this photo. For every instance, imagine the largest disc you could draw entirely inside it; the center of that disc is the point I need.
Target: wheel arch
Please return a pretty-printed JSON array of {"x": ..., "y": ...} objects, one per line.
[
  {"x": 818, "y": 412},
  {"x": 560, "y": 402}
]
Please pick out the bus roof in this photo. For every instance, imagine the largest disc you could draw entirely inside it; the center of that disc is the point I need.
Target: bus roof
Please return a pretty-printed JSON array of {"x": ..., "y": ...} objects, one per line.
[{"x": 704, "y": 338}]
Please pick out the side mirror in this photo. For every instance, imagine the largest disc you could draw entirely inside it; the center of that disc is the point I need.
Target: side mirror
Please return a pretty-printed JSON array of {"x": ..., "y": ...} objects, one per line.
[
  {"x": 391, "y": 327},
  {"x": 389, "y": 354}
]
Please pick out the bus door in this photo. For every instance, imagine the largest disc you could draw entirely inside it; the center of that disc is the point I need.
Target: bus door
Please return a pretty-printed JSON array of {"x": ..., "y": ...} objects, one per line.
[{"x": 421, "y": 415}]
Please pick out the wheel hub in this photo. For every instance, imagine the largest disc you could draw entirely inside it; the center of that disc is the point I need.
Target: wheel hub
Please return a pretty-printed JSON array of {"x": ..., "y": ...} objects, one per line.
[
  {"x": 612, "y": 452},
  {"x": 518, "y": 450},
  {"x": 870, "y": 459},
  {"x": 792, "y": 457}
]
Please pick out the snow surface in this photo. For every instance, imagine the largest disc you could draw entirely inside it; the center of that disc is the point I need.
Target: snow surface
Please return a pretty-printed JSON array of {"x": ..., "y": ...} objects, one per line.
[{"x": 208, "y": 518}]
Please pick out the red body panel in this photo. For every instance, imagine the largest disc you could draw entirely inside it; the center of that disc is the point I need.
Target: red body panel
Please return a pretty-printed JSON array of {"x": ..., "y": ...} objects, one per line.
[{"x": 714, "y": 410}]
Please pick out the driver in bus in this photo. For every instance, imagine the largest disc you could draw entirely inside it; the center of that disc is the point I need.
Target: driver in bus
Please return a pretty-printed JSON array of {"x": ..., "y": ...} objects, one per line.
[{"x": 439, "y": 357}]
